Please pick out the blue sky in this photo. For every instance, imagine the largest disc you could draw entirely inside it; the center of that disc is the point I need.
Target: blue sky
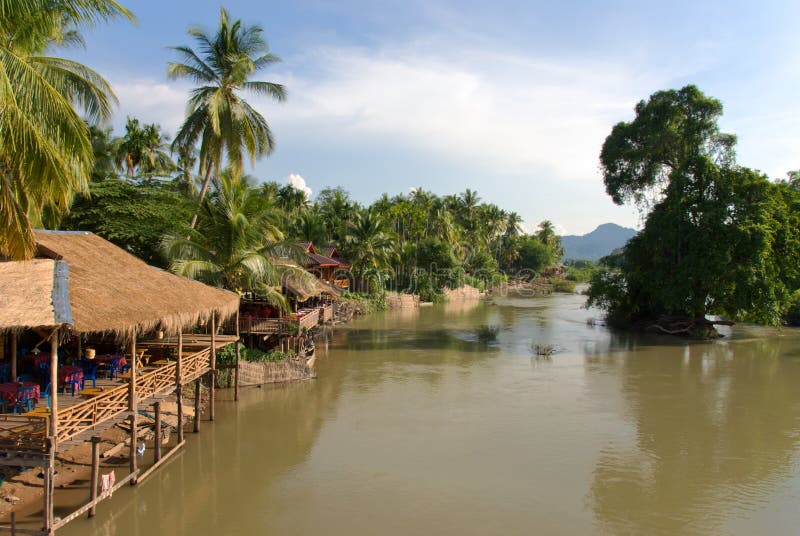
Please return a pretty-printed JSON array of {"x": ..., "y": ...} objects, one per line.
[{"x": 512, "y": 99}]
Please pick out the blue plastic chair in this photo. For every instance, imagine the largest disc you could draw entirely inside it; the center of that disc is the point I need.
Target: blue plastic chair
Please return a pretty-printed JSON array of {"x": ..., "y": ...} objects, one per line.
[
  {"x": 114, "y": 368},
  {"x": 90, "y": 374},
  {"x": 25, "y": 400},
  {"x": 46, "y": 395},
  {"x": 24, "y": 378}
]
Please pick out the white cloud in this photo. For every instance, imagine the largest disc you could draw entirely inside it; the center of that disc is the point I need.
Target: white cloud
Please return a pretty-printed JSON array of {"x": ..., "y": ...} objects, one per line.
[
  {"x": 509, "y": 113},
  {"x": 298, "y": 183},
  {"x": 151, "y": 102}
]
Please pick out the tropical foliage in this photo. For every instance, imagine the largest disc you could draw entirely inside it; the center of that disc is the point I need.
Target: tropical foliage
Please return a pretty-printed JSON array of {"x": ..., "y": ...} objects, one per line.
[
  {"x": 45, "y": 147},
  {"x": 219, "y": 120},
  {"x": 719, "y": 239}
]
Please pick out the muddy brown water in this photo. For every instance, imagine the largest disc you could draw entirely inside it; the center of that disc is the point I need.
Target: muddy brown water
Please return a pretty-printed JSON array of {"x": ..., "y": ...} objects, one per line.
[{"x": 416, "y": 426}]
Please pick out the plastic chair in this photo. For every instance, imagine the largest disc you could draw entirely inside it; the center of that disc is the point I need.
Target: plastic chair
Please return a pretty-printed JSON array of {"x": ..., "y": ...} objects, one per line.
[
  {"x": 90, "y": 374},
  {"x": 46, "y": 395},
  {"x": 24, "y": 378},
  {"x": 25, "y": 399},
  {"x": 115, "y": 368},
  {"x": 74, "y": 383}
]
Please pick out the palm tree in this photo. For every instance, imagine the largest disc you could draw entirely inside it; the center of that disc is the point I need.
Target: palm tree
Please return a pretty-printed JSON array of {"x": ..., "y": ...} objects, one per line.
[
  {"x": 45, "y": 148},
  {"x": 236, "y": 244},
  {"x": 103, "y": 150},
  {"x": 547, "y": 236},
  {"x": 369, "y": 246},
  {"x": 143, "y": 150},
  {"x": 217, "y": 116}
]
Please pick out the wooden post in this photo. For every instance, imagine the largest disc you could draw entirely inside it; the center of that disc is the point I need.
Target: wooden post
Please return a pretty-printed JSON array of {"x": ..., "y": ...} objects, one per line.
[
  {"x": 95, "y": 474},
  {"x": 157, "y": 446},
  {"x": 13, "y": 357},
  {"x": 54, "y": 388},
  {"x": 213, "y": 374},
  {"x": 197, "y": 406},
  {"x": 49, "y": 488},
  {"x": 178, "y": 387},
  {"x": 132, "y": 408},
  {"x": 236, "y": 370}
]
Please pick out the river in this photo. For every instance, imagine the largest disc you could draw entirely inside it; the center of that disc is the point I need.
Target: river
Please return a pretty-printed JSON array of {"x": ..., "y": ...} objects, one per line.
[{"x": 415, "y": 426}]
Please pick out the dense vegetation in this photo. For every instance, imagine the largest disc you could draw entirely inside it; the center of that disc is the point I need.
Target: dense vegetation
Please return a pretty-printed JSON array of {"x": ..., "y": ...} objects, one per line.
[
  {"x": 186, "y": 205},
  {"x": 719, "y": 238}
]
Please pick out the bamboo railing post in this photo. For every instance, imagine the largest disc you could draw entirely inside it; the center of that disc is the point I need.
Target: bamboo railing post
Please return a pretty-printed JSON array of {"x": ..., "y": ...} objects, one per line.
[
  {"x": 197, "y": 406},
  {"x": 95, "y": 474},
  {"x": 211, "y": 412},
  {"x": 132, "y": 408},
  {"x": 178, "y": 387},
  {"x": 157, "y": 445},
  {"x": 13, "y": 357},
  {"x": 236, "y": 370}
]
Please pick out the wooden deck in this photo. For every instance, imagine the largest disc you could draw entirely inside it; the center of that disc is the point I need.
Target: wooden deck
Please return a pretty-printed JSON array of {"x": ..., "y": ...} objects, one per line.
[
  {"x": 285, "y": 325},
  {"x": 79, "y": 419}
]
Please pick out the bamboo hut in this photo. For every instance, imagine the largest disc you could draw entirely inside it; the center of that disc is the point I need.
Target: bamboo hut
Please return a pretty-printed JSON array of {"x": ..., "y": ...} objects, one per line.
[{"x": 81, "y": 284}]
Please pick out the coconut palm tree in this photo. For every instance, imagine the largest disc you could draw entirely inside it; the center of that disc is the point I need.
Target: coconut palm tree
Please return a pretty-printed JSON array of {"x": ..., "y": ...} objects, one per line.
[
  {"x": 370, "y": 248},
  {"x": 45, "y": 148},
  {"x": 143, "y": 150},
  {"x": 223, "y": 123},
  {"x": 236, "y": 244}
]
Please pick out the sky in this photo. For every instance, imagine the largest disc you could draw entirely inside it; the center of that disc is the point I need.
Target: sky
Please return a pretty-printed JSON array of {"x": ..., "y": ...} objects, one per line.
[{"x": 510, "y": 98}]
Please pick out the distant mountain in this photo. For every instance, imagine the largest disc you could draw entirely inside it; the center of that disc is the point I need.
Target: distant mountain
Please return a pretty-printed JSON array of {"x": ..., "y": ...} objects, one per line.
[{"x": 599, "y": 243}]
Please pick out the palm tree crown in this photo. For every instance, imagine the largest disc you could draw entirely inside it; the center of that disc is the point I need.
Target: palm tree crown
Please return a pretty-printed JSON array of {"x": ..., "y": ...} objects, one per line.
[
  {"x": 45, "y": 148},
  {"x": 217, "y": 116}
]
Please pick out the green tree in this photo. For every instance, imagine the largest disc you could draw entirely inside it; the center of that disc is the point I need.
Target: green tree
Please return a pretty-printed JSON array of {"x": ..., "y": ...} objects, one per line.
[
  {"x": 711, "y": 242},
  {"x": 135, "y": 215},
  {"x": 369, "y": 247},
  {"x": 236, "y": 244},
  {"x": 45, "y": 148},
  {"x": 547, "y": 236},
  {"x": 534, "y": 255},
  {"x": 218, "y": 117},
  {"x": 143, "y": 150}
]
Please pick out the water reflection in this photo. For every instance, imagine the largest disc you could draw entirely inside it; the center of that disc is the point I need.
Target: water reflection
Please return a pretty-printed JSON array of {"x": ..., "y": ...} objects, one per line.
[{"x": 715, "y": 433}]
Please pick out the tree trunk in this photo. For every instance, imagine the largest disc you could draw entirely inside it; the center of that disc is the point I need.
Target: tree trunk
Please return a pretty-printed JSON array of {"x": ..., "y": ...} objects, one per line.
[{"x": 203, "y": 191}]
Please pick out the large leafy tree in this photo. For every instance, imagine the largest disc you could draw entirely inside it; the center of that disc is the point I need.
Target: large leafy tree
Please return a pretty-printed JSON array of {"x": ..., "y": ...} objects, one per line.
[
  {"x": 715, "y": 239},
  {"x": 218, "y": 118},
  {"x": 45, "y": 148},
  {"x": 134, "y": 215}
]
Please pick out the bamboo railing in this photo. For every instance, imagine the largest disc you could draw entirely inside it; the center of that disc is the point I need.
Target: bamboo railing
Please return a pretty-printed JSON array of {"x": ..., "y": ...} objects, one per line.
[
  {"x": 81, "y": 417},
  {"x": 309, "y": 320},
  {"x": 28, "y": 432}
]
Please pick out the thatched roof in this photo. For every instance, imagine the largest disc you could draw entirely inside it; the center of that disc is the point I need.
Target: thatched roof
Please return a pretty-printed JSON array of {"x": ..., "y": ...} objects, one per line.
[
  {"x": 111, "y": 291},
  {"x": 34, "y": 294}
]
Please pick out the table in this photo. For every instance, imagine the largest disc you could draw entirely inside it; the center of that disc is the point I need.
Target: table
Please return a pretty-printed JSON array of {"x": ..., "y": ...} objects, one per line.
[
  {"x": 69, "y": 374},
  {"x": 11, "y": 394},
  {"x": 40, "y": 411},
  {"x": 106, "y": 359},
  {"x": 160, "y": 362},
  {"x": 91, "y": 392}
]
